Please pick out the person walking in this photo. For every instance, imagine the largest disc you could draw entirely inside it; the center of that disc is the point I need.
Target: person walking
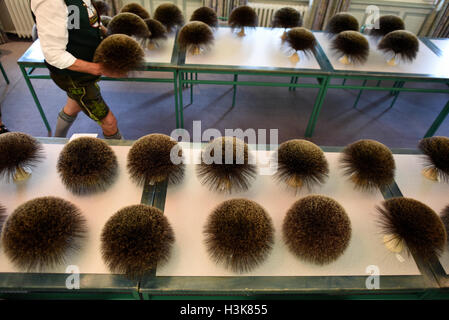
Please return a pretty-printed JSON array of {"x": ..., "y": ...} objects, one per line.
[{"x": 70, "y": 32}]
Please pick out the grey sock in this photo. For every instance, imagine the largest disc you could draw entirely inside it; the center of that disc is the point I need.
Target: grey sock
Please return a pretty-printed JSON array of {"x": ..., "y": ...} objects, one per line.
[
  {"x": 117, "y": 136},
  {"x": 64, "y": 123}
]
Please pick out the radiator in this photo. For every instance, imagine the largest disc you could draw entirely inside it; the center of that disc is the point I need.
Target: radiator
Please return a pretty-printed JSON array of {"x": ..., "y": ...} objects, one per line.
[
  {"x": 20, "y": 13},
  {"x": 265, "y": 12}
]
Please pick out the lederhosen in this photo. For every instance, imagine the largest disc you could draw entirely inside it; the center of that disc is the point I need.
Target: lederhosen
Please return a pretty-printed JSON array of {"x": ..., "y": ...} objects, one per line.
[{"x": 82, "y": 43}]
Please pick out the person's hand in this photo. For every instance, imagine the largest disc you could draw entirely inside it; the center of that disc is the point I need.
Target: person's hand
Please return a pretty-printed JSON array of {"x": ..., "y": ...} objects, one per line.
[
  {"x": 103, "y": 30},
  {"x": 86, "y": 67},
  {"x": 111, "y": 73},
  {"x": 97, "y": 69}
]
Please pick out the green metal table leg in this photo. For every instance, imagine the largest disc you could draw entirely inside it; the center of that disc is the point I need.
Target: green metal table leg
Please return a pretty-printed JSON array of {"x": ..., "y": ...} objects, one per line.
[
  {"x": 395, "y": 85},
  {"x": 438, "y": 121},
  {"x": 4, "y": 73},
  {"x": 317, "y": 108},
  {"x": 360, "y": 94},
  {"x": 181, "y": 103},
  {"x": 400, "y": 85},
  {"x": 344, "y": 82},
  {"x": 378, "y": 83},
  {"x": 184, "y": 76},
  {"x": 291, "y": 81},
  {"x": 296, "y": 81},
  {"x": 236, "y": 77},
  {"x": 175, "y": 90},
  {"x": 31, "y": 70},
  {"x": 191, "y": 89},
  {"x": 36, "y": 100}
]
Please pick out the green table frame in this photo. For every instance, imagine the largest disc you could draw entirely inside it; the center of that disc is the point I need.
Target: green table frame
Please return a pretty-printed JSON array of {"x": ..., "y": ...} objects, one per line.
[
  {"x": 324, "y": 83},
  {"x": 236, "y": 71},
  {"x": 424, "y": 286},
  {"x": 399, "y": 79},
  {"x": 433, "y": 283},
  {"x": 183, "y": 78},
  {"x": 441, "y": 277},
  {"x": 28, "y": 65},
  {"x": 186, "y": 79},
  {"x": 92, "y": 286}
]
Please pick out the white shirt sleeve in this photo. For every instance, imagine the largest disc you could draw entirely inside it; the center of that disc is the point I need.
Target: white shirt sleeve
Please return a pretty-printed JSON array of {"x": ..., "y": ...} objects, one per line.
[{"x": 51, "y": 23}]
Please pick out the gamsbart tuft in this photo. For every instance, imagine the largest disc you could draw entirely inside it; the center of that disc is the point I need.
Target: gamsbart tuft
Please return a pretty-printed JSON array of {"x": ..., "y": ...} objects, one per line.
[
  {"x": 169, "y": 15},
  {"x": 195, "y": 34},
  {"x": 301, "y": 164},
  {"x": 243, "y": 16},
  {"x": 401, "y": 44},
  {"x": 301, "y": 39},
  {"x": 436, "y": 153},
  {"x": 317, "y": 229},
  {"x": 351, "y": 44},
  {"x": 342, "y": 22},
  {"x": 149, "y": 160},
  {"x": 239, "y": 235},
  {"x": 43, "y": 233},
  {"x": 87, "y": 165},
  {"x": 137, "y": 9},
  {"x": 414, "y": 224},
  {"x": 387, "y": 24},
  {"x": 220, "y": 176},
  {"x": 130, "y": 24},
  {"x": 206, "y": 15},
  {"x": 369, "y": 163},
  {"x": 18, "y": 150},
  {"x": 119, "y": 53},
  {"x": 136, "y": 240},
  {"x": 287, "y": 17}
]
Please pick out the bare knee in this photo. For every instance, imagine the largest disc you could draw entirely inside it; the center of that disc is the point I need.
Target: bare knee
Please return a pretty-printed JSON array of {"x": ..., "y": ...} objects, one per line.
[{"x": 71, "y": 108}]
